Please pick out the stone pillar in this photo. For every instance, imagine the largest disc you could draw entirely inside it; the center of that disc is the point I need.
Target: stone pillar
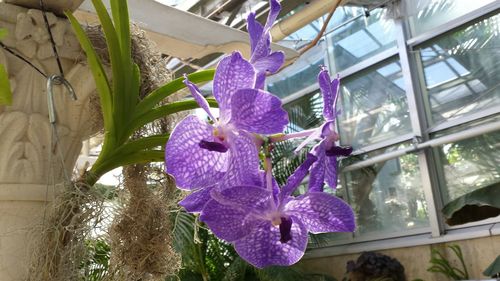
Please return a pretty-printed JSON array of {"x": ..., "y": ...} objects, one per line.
[{"x": 29, "y": 166}]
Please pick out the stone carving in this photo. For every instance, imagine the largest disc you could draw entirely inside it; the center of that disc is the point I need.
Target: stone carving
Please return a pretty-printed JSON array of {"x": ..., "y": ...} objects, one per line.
[
  {"x": 30, "y": 169},
  {"x": 25, "y": 147},
  {"x": 55, "y": 6}
]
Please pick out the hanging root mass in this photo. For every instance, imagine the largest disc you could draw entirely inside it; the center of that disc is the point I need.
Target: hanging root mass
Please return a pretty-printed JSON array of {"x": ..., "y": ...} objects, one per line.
[
  {"x": 141, "y": 234},
  {"x": 68, "y": 225}
]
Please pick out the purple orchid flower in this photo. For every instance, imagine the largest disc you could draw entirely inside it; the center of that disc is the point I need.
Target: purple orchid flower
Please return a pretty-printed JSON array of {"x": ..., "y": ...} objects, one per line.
[
  {"x": 325, "y": 169},
  {"x": 269, "y": 227},
  {"x": 200, "y": 154},
  {"x": 263, "y": 59}
]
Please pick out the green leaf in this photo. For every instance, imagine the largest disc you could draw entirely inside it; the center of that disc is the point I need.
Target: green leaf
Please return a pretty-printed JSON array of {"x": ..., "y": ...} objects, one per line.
[
  {"x": 3, "y": 33},
  {"x": 142, "y": 144},
  {"x": 119, "y": 9},
  {"x": 115, "y": 55},
  {"x": 477, "y": 205},
  {"x": 5, "y": 92},
  {"x": 136, "y": 157},
  {"x": 101, "y": 80},
  {"x": 159, "y": 94},
  {"x": 165, "y": 110}
]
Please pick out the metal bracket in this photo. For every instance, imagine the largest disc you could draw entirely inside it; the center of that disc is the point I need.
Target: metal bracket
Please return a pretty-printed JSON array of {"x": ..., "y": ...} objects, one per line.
[
  {"x": 57, "y": 80},
  {"x": 416, "y": 140}
]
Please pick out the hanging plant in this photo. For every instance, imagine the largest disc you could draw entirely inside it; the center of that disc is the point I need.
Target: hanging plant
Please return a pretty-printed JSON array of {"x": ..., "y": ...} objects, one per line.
[{"x": 123, "y": 111}]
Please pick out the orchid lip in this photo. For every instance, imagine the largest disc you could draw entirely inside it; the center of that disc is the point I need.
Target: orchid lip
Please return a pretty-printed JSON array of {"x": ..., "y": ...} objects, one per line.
[
  {"x": 285, "y": 229},
  {"x": 213, "y": 146},
  {"x": 339, "y": 151}
]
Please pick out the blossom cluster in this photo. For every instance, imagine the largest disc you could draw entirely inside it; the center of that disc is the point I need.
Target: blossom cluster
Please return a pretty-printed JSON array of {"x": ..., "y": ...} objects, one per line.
[{"x": 219, "y": 160}]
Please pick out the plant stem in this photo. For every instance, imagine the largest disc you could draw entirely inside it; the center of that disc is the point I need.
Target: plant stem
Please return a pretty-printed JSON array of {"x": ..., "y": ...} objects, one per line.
[{"x": 283, "y": 137}]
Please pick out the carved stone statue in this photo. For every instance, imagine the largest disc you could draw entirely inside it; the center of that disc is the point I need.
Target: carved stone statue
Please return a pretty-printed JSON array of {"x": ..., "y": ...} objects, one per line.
[{"x": 30, "y": 165}]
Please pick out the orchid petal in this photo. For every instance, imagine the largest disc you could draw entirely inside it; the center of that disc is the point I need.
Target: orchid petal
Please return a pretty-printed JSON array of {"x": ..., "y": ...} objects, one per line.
[
  {"x": 244, "y": 162},
  {"x": 331, "y": 168},
  {"x": 232, "y": 73},
  {"x": 274, "y": 10},
  {"x": 198, "y": 97},
  {"x": 192, "y": 166},
  {"x": 263, "y": 45},
  {"x": 262, "y": 247},
  {"x": 251, "y": 198},
  {"x": 226, "y": 221},
  {"x": 255, "y": 30},
  {"x": 194, "y": 202},
  {"x": 321, "y": 212},
  {"x": 270, "y": 63},
  {"x": 260, "y": 81},
  {"x": 262, "y": 48},
  {"x": 317, "y": 175},
  {"x": 329, "y": 90},
  {"x": 296, "y": 178},
  {"x": 258, "y": 112}
]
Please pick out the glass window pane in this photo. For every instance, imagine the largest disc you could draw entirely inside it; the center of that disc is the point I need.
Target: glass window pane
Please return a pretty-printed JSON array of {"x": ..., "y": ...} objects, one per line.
[
  {"x": 305, "y": 113},
  {"x": 461, "y": 70},
  {"x": 301, "y": 74},
  {"x": 303, "y": 36},
  {"x": 470, "y": 164},
  {"x": 373, "y": 105},
  {"x": 388, "y": 197},
  {"x": 438, "y": 12},
  {"x": 359, "y": 39}
]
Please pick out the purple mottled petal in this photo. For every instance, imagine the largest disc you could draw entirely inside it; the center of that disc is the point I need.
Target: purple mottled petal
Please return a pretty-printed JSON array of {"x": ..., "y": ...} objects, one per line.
[
  {"x": 262, "y": 247},
  {"x": 274, "y": 10},
  {"x": 326, "y": 91},
  {"x": 317, "y": 175},
  {"x": 227, "y": 222},
  {"x": 270, "y": 63},
  {"x": 198, "y": 97},
  {"x": 244, "y": 162},
  {"x": 331, "y": 168},
  {"x": 195, "y": 201},
  {"x": 254, "y": 30},
  {"x": 321, "y": 212},
  {"x": 296, "y": 178},
  {"x": 260, "y": 81},
  {"x": 258, "y": 112},
  {"x": 232, "y": 73},
  {"x": 192, "y": 166},
  {"x": 262, "y": 48},
  {"x": 263, "y": 44},
  {"x": 251, "y": 198},
  {"x": 328, "y": 129}
]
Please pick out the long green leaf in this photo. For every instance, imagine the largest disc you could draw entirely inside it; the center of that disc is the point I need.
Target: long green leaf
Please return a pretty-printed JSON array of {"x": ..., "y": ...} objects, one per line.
[
  {"x": 5, "y": 91},
  {"x": 137, "y": 157},
  {"x": 165, "y": 110},
  {"x": 101, "y": 80},
  {"x": 142, "y": 144},
  {"x": 159, "y": 94},
  {"x": 119, "y": 9},
  {"x": 115, "y": 56},
  {"x": 124, "y": 132}
]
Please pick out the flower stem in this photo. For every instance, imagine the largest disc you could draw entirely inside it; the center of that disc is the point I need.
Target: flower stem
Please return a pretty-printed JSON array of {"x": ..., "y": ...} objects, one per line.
[{"x": 283, "y": 137}]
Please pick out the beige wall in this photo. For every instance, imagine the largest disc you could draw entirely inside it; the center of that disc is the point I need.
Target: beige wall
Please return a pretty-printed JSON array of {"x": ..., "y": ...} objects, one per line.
[{"x": 478, "y": 254}]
